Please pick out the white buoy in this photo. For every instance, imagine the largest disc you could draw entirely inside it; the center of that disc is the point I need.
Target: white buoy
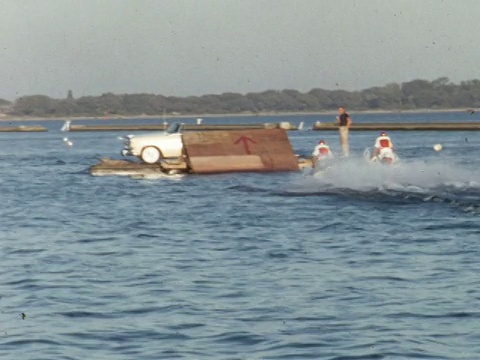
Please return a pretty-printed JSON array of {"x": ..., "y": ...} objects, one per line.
[
  {"x": 199, "y": 121},
  {"x": 437, "y": 147}
]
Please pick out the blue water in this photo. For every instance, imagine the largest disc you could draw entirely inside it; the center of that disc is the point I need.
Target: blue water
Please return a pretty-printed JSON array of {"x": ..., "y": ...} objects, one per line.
[{"x": 360, "y": 263}]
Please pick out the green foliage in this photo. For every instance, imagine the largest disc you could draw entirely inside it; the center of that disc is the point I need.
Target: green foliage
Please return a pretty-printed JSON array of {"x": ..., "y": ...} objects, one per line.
[
  {"x": 4, "y": 103},
  {"x": 415, "y": 94}
]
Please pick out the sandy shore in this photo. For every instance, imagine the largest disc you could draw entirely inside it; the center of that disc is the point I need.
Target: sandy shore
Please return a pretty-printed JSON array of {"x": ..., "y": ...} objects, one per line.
[{"x": 179, "y": 116}]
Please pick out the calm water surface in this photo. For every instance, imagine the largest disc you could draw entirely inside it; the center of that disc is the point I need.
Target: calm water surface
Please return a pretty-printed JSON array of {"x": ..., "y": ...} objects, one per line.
[{"x": 361, "y": 263}]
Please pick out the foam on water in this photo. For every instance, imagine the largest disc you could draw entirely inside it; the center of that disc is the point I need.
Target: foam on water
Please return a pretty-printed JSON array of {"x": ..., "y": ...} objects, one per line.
[
  {"x": 158, "y": 176},
  {"x": 416, "y": 175},
  {"x": 437, "y": 180}
]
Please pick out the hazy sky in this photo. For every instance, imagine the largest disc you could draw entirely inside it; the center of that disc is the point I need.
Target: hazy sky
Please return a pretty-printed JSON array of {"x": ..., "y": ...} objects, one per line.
[{"x": 212, "y": 46}]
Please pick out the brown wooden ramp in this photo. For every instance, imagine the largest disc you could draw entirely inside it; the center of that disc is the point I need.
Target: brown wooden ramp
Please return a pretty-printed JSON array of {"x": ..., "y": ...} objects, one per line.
[{"x": 239, "y": 150}]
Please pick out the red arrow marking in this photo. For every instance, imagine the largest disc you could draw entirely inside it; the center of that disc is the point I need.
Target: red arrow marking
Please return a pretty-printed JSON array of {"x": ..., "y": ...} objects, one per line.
[{"x": 245, "y": 140}]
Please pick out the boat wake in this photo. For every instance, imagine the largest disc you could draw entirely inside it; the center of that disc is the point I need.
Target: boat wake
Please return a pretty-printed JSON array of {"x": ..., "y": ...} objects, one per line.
[
  {"x": 409, "y": 175},
  {"x": 406, "y": 182},
  {"x": 439, "y": 181}
]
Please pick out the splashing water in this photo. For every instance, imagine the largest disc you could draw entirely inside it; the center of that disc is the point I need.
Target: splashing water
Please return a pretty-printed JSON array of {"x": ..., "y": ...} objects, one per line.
[
  {"x": 419, "y": 175},
  {"x": 437, "y": 180}
]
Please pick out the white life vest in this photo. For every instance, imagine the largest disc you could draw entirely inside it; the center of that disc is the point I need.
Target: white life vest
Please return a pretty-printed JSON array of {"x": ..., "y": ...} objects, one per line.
[
  {"x": 321, "y": 151},
  {"x": 383, "y": 142}
]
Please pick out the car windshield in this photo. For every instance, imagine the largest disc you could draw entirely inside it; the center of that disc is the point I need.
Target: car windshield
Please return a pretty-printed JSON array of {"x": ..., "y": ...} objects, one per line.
[{"x": 174, "y": 128}]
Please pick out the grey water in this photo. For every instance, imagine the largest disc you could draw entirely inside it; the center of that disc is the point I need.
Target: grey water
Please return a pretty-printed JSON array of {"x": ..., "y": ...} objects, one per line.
[{"x": 362, "y": 262}]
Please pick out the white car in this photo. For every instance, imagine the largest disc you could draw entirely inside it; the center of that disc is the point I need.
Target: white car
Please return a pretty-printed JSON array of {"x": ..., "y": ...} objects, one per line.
[{"x": 153, "y": 147}]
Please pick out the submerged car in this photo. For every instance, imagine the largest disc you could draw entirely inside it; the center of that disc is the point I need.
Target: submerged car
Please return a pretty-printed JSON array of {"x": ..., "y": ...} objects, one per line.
[{"x": 154, "y": 147}]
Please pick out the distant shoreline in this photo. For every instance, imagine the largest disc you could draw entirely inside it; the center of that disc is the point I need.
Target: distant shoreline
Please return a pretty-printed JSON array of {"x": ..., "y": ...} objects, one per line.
[{"x": 181, "y": 116}]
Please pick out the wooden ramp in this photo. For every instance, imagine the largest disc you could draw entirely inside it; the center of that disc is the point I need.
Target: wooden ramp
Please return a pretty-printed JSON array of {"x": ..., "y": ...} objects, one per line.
[
  {"x": 260, "y": 150},
  {"x": 108, "y": 166}
]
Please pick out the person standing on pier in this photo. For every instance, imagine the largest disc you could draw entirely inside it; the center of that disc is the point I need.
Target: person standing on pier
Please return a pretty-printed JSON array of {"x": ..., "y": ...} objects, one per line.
[{"x": 344, "y": 121}]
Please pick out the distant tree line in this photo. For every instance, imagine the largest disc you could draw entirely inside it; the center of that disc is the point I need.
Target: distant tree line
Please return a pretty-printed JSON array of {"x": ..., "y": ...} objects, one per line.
[{"x": 416, "y": 94}]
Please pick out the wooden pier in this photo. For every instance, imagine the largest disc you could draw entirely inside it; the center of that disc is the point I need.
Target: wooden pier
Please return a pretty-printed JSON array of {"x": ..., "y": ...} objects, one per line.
[
  {"x": 186, "y": 127},
  {"x": 22, "y": 128},
  {"x": 434, "y": 126}
]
